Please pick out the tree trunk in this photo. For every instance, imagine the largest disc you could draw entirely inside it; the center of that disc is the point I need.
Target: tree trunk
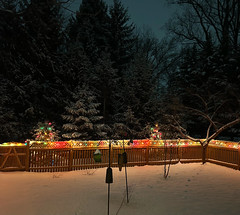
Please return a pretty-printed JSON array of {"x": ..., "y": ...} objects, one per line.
[{"x": 204, "y": 152}]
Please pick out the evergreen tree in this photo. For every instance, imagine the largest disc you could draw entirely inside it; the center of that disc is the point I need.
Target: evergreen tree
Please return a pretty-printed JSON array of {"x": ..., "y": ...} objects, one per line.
[
  {"x": 9, "y": 124},
  {"x": 12, "y": 37},
  {"x": 89, "y": 30},
  {"x": 77, "y": 69},
  {"x": 121, "y": 41},
  {"x": 141, "y": 94},
  {"x": 129, "y": 128},
  {"x": 106, "y": 83},
  {"x": 122, "y": 37},
  {"x": 83, "y": 121},
  {"x": 30, "y": 65},
  {"x": 44, "y": 21}
]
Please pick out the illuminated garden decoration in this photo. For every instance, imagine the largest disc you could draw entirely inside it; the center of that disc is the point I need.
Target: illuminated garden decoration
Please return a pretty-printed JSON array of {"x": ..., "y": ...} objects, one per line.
[
  {"x": 45, "y": 132},
  {"x": 155, "y": 133},
  {"x": 97, "y": 156}
]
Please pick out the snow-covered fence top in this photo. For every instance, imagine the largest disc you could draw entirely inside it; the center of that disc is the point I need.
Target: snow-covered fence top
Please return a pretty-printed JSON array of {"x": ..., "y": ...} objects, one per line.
[{"x": 119, "y": 143}]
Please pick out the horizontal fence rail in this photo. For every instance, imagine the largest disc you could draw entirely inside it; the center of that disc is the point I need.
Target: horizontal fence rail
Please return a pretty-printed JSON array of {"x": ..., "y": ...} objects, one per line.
[{"x": 67, "y": 156}]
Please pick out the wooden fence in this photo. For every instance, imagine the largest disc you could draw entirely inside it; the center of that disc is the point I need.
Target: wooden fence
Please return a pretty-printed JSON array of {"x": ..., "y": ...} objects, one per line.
[
  {"x": 67, "y": 159},
  {"x": 229, "y": 157},
  {"x": 14, "y": 158}
]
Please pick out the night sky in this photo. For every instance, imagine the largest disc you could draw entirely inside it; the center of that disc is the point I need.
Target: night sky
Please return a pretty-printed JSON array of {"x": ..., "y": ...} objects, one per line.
[{"x": 144, "y": 13}]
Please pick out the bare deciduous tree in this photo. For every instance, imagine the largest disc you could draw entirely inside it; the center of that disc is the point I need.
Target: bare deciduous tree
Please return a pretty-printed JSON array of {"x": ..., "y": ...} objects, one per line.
[
  {"x": 205, "y": 20},
  {"x": 215, "y": 126}
]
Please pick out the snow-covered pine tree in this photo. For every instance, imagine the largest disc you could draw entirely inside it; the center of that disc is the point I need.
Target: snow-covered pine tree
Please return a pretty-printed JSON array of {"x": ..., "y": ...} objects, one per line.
[
  {"x": 128, "y": 128},
  {"x": 132, "y": 124},
  {"x": 8, "y": 121},
  {"x": 82, "y": 119},
  {"x": 140, "y": 89},
  {"x": 29, "y": 40},
  {"x": 121, "y": 42},
  {"x": 76, "y": 71}
]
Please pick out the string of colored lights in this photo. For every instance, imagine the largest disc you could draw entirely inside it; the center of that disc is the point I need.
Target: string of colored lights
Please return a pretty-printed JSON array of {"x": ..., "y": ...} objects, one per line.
[{"x": 119, "y": 143}]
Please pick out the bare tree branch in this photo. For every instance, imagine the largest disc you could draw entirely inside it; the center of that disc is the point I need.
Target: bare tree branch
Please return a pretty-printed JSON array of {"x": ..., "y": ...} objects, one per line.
[
  {"x": 204, "y": 115},
  {"x": 208, "y": 131},
  {"x": 201, "y": 98},
  {"x": 179, "y": 129},
  {"x": 224, "y": 127}
]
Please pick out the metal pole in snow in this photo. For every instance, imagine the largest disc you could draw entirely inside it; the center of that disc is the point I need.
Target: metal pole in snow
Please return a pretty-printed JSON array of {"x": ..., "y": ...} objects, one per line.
[
  {"x": 108, "y": 197},
  {"x": 109, "y": 157},
  {"x": 109, "y": 177},
  {"x": 126, "y": 175}
]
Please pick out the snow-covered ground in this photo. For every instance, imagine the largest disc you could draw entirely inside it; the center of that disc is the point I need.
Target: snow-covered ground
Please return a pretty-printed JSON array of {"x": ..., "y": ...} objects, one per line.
[{"x": 191, "y": 189}]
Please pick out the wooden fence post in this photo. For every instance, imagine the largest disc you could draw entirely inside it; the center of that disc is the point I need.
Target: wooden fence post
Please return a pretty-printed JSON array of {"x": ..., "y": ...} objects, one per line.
[
  {"x": 111, "y": 153},
  {"x": 147, "y": 154},
  {"x": 27, "y": 162},
  {"x": 238, "y": 158},
  {"x": 70, "y": 160},
  {"x": 179, "y": 153}
]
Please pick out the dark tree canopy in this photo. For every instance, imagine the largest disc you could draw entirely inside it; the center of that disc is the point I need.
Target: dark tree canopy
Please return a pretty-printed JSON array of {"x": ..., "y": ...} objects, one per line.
[{"x": 123, "y": 80}]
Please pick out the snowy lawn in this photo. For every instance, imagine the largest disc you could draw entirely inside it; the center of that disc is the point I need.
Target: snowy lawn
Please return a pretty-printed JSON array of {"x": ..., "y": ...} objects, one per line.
[{"x": 191, "y": 189}]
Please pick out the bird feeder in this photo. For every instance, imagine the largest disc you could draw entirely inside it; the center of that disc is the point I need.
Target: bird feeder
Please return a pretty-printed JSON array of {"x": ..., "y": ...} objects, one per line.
[
  {"x": 109, "y": 176},
  {"x": 122, "y": 159}
]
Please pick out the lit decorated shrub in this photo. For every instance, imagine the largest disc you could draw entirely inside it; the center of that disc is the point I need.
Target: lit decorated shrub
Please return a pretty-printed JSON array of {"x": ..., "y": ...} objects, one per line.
[{"x": 45, "y": 132}]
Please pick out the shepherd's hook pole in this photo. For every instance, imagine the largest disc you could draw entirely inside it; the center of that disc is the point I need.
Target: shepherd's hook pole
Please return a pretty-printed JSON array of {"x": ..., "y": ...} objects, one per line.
[
  {"x": 109, "y": 166},
  {"x": 108, "y": 197},
  {"x": 126, "y": 175}
]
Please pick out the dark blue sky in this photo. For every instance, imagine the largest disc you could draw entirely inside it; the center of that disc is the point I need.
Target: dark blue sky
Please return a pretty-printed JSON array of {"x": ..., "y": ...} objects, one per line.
[{"x": 144, "y": 13}]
